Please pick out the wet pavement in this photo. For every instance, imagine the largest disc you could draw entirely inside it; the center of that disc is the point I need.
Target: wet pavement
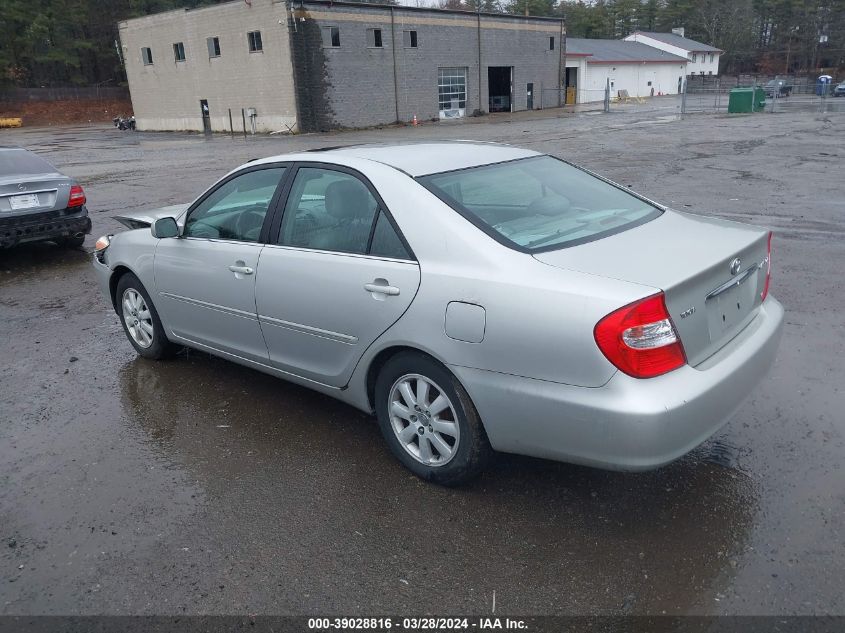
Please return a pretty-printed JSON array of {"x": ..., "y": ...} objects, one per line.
[{"x": 198, "y": 486}]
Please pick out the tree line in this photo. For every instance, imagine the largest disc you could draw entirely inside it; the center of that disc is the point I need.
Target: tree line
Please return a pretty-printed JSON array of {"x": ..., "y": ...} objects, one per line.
[
  {"x": 758, "y": 36},
  {"x": 72, "y": 42}
]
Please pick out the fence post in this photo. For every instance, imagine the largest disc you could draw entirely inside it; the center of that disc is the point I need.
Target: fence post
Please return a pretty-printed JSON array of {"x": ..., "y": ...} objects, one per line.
[
  {"x": 684, "y": 98},
  {"x": 607, "y": 96}
]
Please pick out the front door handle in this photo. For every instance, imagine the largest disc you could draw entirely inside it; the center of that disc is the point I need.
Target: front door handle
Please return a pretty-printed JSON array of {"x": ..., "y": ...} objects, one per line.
[
  {"x": 243, "y": 270},
  {"x": 382, "y": 289}
]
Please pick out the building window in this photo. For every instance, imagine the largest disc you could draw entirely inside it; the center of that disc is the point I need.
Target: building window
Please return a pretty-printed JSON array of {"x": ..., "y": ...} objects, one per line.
[
  {"x": 374, "y": 38},
  {"x": 409, "y": 39},
  {"x": 551, "y": 42},
  {"x": 693, "y": 58},
  {"x": 147, "y": 56},
  {"x": 213, "y": 46},
  {"x": 254, "y": 38},
  {"x": 711, "y": 58},
  {"x": 179, "y": 52},
  {"x": 331, "y": 36},
  {"x": 452, "y": 91}
]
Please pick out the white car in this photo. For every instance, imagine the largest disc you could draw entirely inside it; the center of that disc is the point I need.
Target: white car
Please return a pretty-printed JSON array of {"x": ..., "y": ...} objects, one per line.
[{"x": 475, "y": 297}]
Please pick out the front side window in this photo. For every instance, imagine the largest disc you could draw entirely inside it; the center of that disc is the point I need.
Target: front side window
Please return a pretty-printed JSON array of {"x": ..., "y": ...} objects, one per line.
[
  {"x": 539, "y": 203},
  {"x": 254, "y": 38},
  {"x": 147, "y": 56},
  {"x": 334, "y": 211},
  {"x": 213, "y": 46},
  {"x": 179, "y": 51},
  {"x": 237, "y": 208}
]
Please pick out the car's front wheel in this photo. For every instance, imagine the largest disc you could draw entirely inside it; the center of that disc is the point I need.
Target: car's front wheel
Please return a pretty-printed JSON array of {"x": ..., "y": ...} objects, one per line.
[
  {"x": 140, "y": 319},
  {"x": 429, "y": 421}
]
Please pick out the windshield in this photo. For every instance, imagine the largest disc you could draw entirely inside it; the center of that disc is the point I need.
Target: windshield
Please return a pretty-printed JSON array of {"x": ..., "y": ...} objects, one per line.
[
  {"x": 539, "y": 203},
  {"x": 21, "y": 162}
]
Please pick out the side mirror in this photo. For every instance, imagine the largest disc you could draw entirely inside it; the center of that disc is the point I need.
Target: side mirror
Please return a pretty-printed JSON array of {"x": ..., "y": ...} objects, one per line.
[{"x": 165, "y": 227}]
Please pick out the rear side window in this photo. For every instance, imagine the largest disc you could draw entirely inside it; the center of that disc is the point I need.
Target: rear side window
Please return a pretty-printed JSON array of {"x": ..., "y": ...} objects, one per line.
[
  {"x": 539, "y": 203},
  {"x": 386, "y": 242},
  {"x": 20, "y": 161},
  {"x": 332, "y": 210}
]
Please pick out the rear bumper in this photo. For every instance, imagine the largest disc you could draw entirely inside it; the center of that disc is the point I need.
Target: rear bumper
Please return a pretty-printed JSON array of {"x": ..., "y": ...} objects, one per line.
[
  {"x": 34, "y": 227},
  {"x": 628, "y": 424}
]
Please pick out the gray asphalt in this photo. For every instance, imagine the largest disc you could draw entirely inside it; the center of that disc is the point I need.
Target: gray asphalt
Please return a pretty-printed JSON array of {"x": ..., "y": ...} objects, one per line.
[{"x": 197, "y": 486}]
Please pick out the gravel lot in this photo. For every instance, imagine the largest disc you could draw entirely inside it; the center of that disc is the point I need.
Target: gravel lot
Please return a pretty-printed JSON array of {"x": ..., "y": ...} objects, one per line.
[{"x": 197, "y": 486}]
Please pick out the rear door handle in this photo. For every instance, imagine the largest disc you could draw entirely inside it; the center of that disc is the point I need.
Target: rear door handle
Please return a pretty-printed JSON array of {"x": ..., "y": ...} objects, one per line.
[
  {"x": 243, "y": 270},
  {"x": 391, "y": 291}
]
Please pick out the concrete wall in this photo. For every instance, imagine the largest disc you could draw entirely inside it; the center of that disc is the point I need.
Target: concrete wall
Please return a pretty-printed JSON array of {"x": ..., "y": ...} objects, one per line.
[
  {"x": 354, "y": 85},
  {"x": 702, "y": 64},
  {"x": 166, "y": 95}
]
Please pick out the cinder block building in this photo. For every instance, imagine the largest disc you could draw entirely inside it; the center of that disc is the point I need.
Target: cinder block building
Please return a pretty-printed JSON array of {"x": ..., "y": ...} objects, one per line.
[{"x": 316, "y": 65}]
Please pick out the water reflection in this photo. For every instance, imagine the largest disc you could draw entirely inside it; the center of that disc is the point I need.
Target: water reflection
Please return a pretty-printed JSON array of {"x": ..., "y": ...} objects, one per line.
[{"x": 306, "y": 481}]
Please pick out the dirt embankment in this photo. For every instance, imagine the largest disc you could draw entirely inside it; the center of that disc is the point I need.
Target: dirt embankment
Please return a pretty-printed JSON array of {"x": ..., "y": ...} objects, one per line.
[{"x": 65, "y": 111}]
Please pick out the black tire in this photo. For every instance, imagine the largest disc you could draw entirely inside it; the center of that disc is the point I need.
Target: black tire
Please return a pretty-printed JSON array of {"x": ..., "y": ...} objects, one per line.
[
  {"x": 473, "y": 451},
  {"x": 160, "y": 347},
  {"x": 72, "y": 241}
]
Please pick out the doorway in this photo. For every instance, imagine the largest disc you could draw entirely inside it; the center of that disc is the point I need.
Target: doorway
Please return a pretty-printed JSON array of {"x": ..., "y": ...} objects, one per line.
[
  {"x": 206, "y": 117},
  {"x": 500, "y": 88},
  {"x": 529, "y": 94},
  {"x": 570, "y": 84}
]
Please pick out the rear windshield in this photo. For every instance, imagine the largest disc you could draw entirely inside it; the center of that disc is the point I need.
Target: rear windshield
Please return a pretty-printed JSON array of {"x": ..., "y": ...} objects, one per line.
[
  {"x": 539, "y": 203},
  {"x": 15, "y": 162}
]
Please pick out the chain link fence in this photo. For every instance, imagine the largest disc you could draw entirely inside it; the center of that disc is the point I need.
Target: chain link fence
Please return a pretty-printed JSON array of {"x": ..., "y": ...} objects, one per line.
[{"x": 712, "y": 95}]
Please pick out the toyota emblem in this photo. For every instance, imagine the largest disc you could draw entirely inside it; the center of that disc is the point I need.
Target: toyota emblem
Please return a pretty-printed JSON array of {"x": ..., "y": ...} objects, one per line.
[{"x": 21, "y": 187}]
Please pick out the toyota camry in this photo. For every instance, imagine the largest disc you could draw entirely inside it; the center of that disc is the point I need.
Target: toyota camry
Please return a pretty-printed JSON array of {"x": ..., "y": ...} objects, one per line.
[{"x": 474, "y": 297}]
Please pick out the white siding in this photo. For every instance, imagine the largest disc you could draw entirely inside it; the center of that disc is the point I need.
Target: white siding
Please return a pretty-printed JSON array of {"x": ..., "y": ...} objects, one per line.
[
  {"x": 701, "y": 65},
  {"x": 634, "y": 78}
]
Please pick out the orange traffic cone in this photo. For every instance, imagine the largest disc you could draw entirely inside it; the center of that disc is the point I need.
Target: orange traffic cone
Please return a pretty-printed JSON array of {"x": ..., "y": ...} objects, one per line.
[{"x": 414, "y": 122}]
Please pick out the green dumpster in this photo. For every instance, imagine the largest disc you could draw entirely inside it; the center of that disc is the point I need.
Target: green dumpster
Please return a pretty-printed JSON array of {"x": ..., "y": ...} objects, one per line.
[
  {"x": 759, "y": 99},
  {"x": 741, "y": 100}
]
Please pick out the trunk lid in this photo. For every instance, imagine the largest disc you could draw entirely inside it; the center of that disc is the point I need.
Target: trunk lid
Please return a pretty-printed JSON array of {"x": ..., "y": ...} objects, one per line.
[
  {"x": 692, "y": 259},
  {"x": 33, "y": 194}
]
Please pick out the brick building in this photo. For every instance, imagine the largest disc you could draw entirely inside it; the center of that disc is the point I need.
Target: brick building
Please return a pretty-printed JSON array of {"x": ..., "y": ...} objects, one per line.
[{"x": 313, "y": 65}]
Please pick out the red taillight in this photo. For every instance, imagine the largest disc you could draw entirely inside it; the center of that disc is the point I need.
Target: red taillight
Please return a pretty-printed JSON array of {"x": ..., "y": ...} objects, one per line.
[
  {"x": 765, "y": 292},
  {"x": 640, "y": 338},
  {"x": 77, "y": 196}
]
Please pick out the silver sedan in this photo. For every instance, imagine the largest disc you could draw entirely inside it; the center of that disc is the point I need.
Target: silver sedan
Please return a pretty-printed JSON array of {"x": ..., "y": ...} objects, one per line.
[{"x": 475, "y": 297}]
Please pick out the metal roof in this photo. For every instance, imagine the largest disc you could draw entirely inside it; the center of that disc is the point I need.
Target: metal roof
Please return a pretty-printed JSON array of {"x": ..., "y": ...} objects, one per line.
[
  {"x": 681, "y": 42},
  {"x": 618, "y": 51}
]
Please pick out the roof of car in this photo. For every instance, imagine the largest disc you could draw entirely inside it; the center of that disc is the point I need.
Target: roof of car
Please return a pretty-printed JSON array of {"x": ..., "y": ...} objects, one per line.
[{"x": 424, "y": 158}]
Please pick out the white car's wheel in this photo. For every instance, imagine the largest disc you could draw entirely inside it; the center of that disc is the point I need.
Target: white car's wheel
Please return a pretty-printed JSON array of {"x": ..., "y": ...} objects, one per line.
[{"x": 429, "y": 421}]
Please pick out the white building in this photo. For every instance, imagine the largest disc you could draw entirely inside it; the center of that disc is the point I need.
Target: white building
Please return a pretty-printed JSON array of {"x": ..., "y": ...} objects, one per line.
[
  {"x": 702, "y": 59},
  {"x": 641, "y": 70}
]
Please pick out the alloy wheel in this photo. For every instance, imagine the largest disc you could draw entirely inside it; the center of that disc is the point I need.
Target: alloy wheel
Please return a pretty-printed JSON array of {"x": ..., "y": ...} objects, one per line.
[
  {"x": 138, "y": 319},
  {"x": 424, "y": 420}
]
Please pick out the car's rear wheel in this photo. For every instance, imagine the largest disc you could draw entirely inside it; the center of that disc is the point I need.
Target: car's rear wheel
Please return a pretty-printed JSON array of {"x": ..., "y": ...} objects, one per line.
[
  {"x": 429, "y": 421},
  {"x": 140, "y": 320}
]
